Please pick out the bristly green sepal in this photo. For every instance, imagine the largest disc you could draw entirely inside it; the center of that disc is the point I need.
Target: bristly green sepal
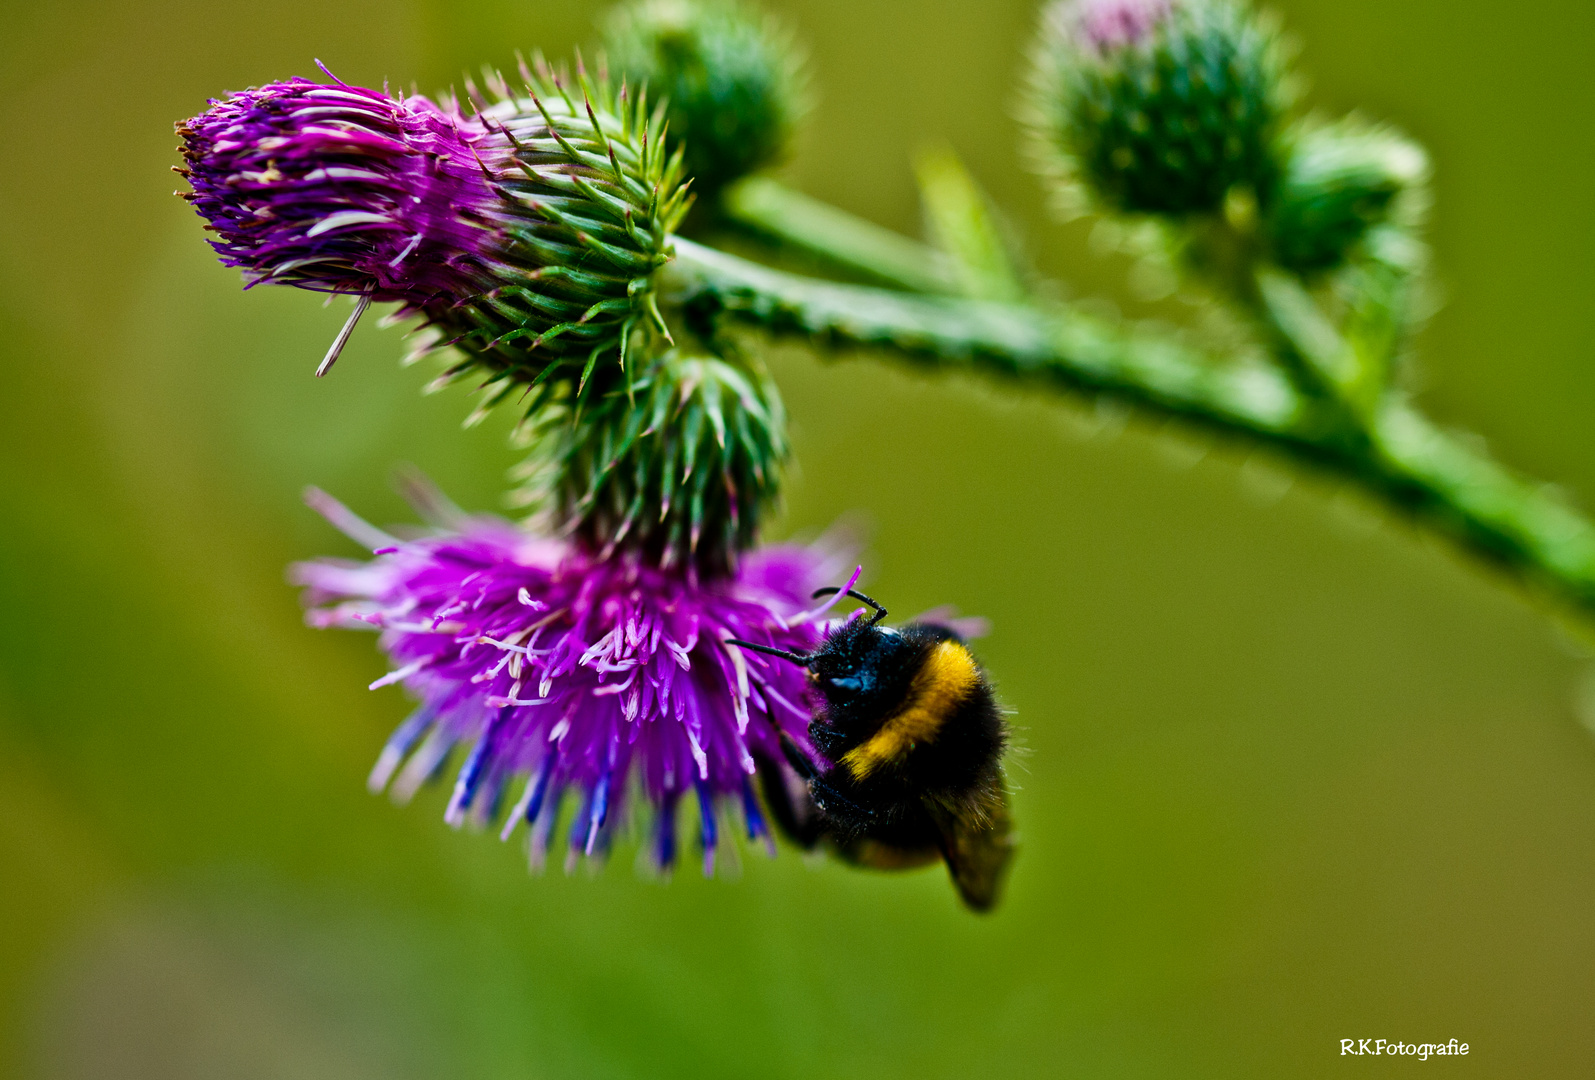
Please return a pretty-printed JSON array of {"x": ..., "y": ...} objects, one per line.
[
  {"x": 1343, "y": 180},
  {"x": 679, "y": 461},
  {"x": 589, "y": 199}
]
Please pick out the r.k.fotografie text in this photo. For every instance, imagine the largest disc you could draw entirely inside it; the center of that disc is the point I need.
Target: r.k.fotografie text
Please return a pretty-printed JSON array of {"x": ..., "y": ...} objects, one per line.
[{"x": 1422, "y": 1051}]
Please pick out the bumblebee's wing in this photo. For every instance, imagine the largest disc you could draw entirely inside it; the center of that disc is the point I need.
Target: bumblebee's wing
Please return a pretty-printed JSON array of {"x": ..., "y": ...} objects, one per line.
[
  {"x": 963, "y": 627},
  {"x": 977, "y": 842}
]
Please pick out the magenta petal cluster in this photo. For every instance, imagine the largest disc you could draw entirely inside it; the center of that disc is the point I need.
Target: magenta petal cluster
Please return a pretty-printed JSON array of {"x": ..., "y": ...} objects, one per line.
[
  {"x": 339, "y": 188},
  {"x": 1105, "y": 25},
  {"x": 605, "y": 680}
]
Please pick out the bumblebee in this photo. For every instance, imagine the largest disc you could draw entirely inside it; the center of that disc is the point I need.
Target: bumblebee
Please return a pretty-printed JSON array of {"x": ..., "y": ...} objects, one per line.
[{"x": 912, "y": 742}]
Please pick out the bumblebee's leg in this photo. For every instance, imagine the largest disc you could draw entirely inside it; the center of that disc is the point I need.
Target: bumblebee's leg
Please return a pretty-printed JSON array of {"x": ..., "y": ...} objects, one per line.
[
  {"x": 797, "y": 758},
  {"x": 791, "y": 807}
]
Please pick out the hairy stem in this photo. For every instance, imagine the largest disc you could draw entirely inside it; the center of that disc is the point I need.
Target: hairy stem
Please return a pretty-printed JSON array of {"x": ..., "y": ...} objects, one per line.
[
  {"x": 1396, "y": 455},
  {"x": 775, "y": 212}
]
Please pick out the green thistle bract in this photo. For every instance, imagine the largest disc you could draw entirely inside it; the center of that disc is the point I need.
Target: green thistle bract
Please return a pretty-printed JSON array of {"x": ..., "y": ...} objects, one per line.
[
  {"x": 597, "y": 197},
  {"x": 680, "y": 464},
  {"x": 731, "y": 79},
  {"x": 1342, "y": 180},
  {"x": 1156, "y": 106}
]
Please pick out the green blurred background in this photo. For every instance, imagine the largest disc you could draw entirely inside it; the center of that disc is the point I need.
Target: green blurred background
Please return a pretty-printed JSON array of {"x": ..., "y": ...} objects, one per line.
[{"x": 1292, "y": 773}]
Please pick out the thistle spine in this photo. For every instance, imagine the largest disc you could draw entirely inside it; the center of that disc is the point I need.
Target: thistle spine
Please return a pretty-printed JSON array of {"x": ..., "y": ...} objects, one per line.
[
  {"x": 681, "y": 462},
  {"x": 596, "y": 198}
]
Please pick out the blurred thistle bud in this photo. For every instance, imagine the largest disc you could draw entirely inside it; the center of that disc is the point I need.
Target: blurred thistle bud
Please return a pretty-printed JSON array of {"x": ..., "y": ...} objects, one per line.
[
  {"x": 1156, "y": 106},
  {"x": 527, "y": 233},
  {"x": 680, "y": 465},
  {"x": 1342, "y": 180},
  {"x": 732, "y": 79}
]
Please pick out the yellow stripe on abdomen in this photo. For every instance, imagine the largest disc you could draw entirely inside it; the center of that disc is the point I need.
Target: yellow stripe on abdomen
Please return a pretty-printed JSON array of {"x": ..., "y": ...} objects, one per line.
[{"x": 946, "y": 679}]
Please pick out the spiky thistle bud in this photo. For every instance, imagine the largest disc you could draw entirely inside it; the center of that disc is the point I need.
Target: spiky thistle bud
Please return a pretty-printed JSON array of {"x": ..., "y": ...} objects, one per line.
[
  {"x": 681, "y": 465},
  {"x": 1156, "y": 106},
  {"x": 1342, "y": 180},
  {"x": 527, "y": 232},
  {"x": 732, "y": 78}
]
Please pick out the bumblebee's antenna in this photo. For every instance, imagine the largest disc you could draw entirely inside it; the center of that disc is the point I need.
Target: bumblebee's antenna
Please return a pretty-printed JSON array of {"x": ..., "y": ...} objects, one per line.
[
  {"x": 880, "y": 612},
  {"x": 800, "y": 659}
]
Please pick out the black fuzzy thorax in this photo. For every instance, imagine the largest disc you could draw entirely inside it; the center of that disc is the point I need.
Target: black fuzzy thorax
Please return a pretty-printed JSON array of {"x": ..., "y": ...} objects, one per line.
[
  {"x": 863, "y": 676},
  {"x": 932, "y": 790}
]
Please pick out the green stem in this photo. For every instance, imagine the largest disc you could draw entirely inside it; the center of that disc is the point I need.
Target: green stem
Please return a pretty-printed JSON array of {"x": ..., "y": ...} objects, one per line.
[
  {"x": 1063, "y": 347},
  {"x": 776, "y": 212},
  {"x": 1399, "y": 457},
  {"x": 1495, "y": 513}
]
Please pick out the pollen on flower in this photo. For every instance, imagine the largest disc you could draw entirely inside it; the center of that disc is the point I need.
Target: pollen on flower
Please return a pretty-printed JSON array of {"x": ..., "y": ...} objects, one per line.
[{"x": 597, "y": 682}]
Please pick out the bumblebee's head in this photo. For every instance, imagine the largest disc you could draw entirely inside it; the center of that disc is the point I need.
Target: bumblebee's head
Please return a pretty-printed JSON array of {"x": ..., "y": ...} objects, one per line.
[
  {"x": 850, "y": 669},
  {"x": 840, "y": 667}
]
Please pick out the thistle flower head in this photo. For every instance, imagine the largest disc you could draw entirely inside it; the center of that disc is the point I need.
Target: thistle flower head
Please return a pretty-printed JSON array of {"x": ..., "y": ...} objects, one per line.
[
  {"x": 732, "y": 79},
  {"x": 527, "y": 232},
  {"x": 604, "y": 681},
  {"x": 1156, "y": 106},
  {"x": 342, "y": 189}
]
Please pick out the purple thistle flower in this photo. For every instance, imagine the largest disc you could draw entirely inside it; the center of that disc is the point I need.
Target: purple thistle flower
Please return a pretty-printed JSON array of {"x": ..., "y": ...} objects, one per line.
[
  {"x": 528, "y": 232},
  {"x": 607, "y": 678},
  {"x": 342, "y": 189},
  {"x": 1105, "y": 25}
]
